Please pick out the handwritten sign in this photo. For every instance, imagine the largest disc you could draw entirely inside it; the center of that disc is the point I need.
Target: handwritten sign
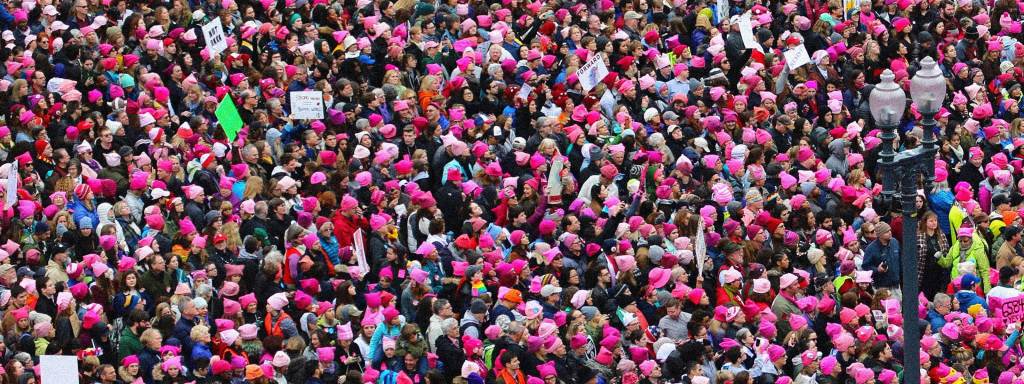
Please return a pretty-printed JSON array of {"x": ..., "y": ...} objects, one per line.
[
  {"x": 525, "y": 91},
  {"x": 1010, "y": 310},
  {"x": 307, "y": 104},
  {"x": 797, "y": 57},
  {"x": 592, "y": 72},
  {"x": 213, "y": 32},
  {"x": 58, "y": 369}
]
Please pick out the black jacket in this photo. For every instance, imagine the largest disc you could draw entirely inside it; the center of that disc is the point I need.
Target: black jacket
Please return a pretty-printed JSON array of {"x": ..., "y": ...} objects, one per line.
[{"x": 451, "y": 356}]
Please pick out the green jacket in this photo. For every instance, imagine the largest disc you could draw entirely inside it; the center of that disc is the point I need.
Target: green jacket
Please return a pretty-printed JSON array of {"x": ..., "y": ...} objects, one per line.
[
  {"x": 782, "y": 308},
  {"x": 978, "y": 254},
  {"x": 129, "y": 344},
  {"x": 41, "y": 345},
  {"x": 158, "y": 287}
]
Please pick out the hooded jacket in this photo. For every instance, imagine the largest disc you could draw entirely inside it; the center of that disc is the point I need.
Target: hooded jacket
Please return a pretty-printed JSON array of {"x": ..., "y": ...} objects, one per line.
[{"x": 837, "y": 159}]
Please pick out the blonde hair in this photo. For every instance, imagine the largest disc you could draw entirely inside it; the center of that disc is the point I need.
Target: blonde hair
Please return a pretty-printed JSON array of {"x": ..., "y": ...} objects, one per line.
[
  {"x": 253, "y": 187},
  {"x": 230, "y": 229},
  {"x": 149, "y": 336},
  {"x": 199, "y": 331}
]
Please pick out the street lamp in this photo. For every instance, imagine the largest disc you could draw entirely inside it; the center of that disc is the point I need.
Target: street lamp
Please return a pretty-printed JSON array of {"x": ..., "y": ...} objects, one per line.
[{"x": 904, "y": 170}]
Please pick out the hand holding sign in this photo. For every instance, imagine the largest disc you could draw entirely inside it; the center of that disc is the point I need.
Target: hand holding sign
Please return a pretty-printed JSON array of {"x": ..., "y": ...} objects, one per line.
[
  {"x": 592, "y": 72},
  {"x": 213, "y": 32}
]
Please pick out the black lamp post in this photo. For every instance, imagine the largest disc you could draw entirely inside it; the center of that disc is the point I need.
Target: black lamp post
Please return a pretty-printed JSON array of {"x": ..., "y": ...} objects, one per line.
[{"x": 904, "y": 171}]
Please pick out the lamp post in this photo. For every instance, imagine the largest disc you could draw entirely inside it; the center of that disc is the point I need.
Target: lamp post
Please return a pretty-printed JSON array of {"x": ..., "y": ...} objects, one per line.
[{"x": 904, "y": 171}]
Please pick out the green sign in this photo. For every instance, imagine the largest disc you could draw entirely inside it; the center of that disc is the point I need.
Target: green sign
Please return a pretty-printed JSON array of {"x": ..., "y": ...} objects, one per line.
[{"x": 227, "y": 116}]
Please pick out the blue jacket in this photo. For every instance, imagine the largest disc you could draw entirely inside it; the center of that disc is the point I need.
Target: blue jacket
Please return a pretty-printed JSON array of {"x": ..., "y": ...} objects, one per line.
[
  {"x": 942, "y": 202},
  {"x": 875, "y": 254},
  {"x": 936, "y": 320},
  {"x": 969, "y": 298},
  {"x": 80, "y": 211},
  {"x": 376, "y": 349}
]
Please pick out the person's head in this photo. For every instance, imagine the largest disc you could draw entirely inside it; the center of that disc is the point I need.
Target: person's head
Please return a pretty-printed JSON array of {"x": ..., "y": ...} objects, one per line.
[
  {"x": 942, "y": 303},
  {"x": 510, "y": 361},
  {"x": 157, "y": 263},
  {"x": 1007, "y": 275},
  {"x": 151, "y": 339},
  {"x": 673, "y": 307},
  {"x": 442, "y": 308},
  {"x": 106, "y": 373}
]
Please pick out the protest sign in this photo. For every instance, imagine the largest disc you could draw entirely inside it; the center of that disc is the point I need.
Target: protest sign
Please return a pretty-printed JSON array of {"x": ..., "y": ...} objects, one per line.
[
  {"x": 1010, "y": 310},
  {"x": 747, "y": 32},
  {"x": 58, "y": 369},
  {"x": 797, "y": 57},
  {"x": 213, "y": 33},
  {"x": 227, "y": 116},
  {"x": 555, "y": 182},
  {"x": 307, "y": 104},
  {"x": 359, "y": 250},
  {"x": 721, "y": 11},
  {"x": 525, "y": 91},
  {"x": 592, "y": 72},
  {"x": 12, "y": 186},
  {"x": 700, "y": 248}
]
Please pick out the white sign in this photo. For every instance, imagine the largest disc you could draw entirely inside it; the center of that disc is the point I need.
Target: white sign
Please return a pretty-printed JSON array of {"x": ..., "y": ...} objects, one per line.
[
  {"x": 700, "y": 248},
  {"x": 747, "y": 32},
  {"x": 213, "y": 33},
  {"x": 592, "y": 72},
  {"x": 797, "y": 57},
  {"x": 307, "y": 104},
  {"x": 58, "y": 369},
  {"x": 12, "y": 186},
  {"x": 359, "y": 251},
  {"x": 555, "y": 181},
  {"x": 525, "y": 91},
  {"x": 721, "y": 11}
]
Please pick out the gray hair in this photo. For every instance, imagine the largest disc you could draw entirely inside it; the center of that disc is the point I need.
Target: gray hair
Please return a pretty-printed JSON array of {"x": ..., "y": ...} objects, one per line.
[
  {"x": 656, "y": 139},
  {"x": 515, "y": 328},
  {"x": 941, "y": 298},
  {"x": 449, "y": 323}
]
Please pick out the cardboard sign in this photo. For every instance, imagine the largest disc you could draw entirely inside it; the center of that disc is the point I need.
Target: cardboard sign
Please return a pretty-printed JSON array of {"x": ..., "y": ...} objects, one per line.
[
  {"x": 1010, "y": 310},
  {"x": 213, "y": 33},
  {"x": 592, "y": 72},
  {"x": 747, "y": 32},
  {"x": 797, "y": 57},
  {"x": 307, "y": 104},
  {"x": 58, "y": 369}
]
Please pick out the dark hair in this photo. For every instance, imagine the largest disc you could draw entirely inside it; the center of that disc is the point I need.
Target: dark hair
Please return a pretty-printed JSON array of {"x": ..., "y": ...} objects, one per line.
[{"x": 137, "y": 316}]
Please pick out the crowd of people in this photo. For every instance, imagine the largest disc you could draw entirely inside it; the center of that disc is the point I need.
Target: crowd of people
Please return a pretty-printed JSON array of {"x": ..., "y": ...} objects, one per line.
[{"x": 503, "y": 192}]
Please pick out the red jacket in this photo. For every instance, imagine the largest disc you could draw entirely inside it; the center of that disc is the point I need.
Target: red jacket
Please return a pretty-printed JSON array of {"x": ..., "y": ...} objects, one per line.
[{"x": 345, "y": 227}]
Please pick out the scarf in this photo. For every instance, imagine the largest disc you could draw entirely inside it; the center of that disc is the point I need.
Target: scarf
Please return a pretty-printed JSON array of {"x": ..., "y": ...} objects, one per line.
[{"x": 477, "y": 288}]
